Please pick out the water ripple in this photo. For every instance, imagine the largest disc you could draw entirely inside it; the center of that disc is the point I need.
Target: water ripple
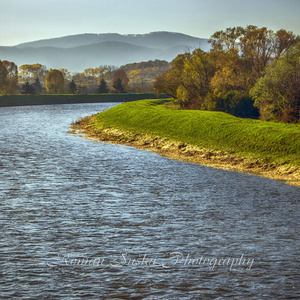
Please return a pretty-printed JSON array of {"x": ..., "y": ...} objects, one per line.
[{"x": 86, "y": 220}]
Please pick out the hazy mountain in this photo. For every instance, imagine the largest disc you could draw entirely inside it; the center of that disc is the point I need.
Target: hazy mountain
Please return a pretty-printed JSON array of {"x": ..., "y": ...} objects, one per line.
[
  {"x": 159, "y": 40},
  {"x": 79, "y": 52}
]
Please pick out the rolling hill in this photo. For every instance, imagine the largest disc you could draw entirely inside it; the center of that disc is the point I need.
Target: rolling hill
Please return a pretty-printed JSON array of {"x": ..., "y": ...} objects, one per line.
[{"x": 78, "y": 52}]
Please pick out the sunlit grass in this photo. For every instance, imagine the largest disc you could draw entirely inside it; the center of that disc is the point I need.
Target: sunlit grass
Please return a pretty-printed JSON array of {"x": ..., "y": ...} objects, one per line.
[{"x": 211, "y": 130}]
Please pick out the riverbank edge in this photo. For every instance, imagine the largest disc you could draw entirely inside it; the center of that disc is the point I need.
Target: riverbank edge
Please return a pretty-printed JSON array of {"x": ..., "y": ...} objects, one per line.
[
  {"x": 188, "y": 153},
  {"x": 26, "y": 100}
]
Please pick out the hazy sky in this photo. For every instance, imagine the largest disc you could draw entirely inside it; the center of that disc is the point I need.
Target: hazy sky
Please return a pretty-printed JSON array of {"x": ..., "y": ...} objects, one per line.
[{"x": 28, "y": 20}]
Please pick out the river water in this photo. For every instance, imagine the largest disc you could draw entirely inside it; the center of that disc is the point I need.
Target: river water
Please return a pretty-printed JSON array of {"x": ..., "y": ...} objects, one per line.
[{"x": 89, "y": 220}]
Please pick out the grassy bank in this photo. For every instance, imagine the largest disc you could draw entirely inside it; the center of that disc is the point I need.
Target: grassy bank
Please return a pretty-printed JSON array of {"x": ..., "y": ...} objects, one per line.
[
  {"x": 20, "y": 100},
  {"x": 252, "y": 143}
]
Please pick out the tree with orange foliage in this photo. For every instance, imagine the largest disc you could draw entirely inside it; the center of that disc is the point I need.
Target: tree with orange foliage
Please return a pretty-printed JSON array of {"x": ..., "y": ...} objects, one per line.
[
  {"x": 242, "y": 55},
  {"x": 55, "y": 82},
  {"x": 168, "y": 82},
  {"x": 120, "y": 81},
  {"x": 11, "y": 77}
]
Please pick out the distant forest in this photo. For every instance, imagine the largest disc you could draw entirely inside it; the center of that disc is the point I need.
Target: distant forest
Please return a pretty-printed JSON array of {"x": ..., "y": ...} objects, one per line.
[
  {"x": 37, "y": 79},
  {"x": 249, "y": 72}
]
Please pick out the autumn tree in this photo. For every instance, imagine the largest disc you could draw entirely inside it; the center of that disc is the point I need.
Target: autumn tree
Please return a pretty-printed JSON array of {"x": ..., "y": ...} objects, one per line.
[
  {"x": 169, "y": 81},
  {"x": 243, "y": 53},
  {"x": 79, "y": 81},
  {"x": 3, "y": 78},
  {"x": 277, "y": 93},
  {"x": 136, "y": 80},
  {"x": 166, "y": 83},
  {"x": 55, "y": 82},
  {"x": 195, "y": 86},
  {"x": 230, "y": 74},
  {"x": 258, "y": 48},
  {"x": 67, "y": 77},
  {"x": 284, "y": 40},
  {"x": 142, "y": 74},
  {"x": 9, "y": 77},
  {"x": 108, "y": 72},
  {"x": 91, "y": 76},
  {"x": 89, "y": 79},
  {"x": 66, "y": 73},
  {"x": 120, "y": 81},
  {"x": 31, "y": 72},
  {"x": 222, "y": 78},
  {"x": 226, "y": 40}
]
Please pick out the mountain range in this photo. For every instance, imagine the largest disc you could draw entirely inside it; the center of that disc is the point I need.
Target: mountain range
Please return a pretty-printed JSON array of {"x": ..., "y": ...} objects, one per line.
[{"x": 78, "y": 52}]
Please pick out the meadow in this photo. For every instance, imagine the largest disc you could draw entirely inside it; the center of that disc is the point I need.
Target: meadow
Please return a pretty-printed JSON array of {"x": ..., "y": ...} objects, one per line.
[{"x": 267, "y": 141}]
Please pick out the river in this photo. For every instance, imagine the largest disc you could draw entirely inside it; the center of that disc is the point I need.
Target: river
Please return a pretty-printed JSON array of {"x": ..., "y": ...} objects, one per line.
[{"x": 89, "y": 220}]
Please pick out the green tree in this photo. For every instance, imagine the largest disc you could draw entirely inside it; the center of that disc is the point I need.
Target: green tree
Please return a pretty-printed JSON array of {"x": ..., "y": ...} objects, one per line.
[
  {"x": 103, "y": 88},
  {"x": 28, "y": 89},
  {"x": 38, "y": 89},
  {"x": 277, "y": 94},
  {"x": 118, "y": 86},
  {"x": 72, "y": 88},
  {"x": 55, "y": 82},
  {"x": 237, "y": 104}
]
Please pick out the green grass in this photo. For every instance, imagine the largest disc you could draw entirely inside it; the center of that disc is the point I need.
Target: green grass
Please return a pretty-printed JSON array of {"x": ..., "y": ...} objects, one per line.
[
  {"x": 18, "y": 100},
  {"x": 274, "y": 142}
]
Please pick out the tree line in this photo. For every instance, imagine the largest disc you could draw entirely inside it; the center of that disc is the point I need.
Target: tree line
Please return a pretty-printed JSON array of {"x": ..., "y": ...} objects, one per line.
[
  {"x": 37, "y": 79},
  {"x": 249, "y": 72}
]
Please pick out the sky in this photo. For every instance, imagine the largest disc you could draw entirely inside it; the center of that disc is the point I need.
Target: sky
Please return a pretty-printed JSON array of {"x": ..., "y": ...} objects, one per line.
[{"x": 29, "y": 20}]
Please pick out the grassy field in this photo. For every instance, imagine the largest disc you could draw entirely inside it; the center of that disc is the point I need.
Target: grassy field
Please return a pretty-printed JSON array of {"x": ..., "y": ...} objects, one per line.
[
  {"x": 19, "y": 100},
  {"x": 269, "y": 141}
]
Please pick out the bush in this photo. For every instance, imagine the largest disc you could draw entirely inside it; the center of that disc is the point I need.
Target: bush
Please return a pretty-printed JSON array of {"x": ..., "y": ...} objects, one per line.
[{"x": 237, "y": 104}]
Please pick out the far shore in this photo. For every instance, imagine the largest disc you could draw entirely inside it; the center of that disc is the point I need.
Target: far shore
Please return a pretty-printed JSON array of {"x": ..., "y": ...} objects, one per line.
[{"x": 26, "y": 100}]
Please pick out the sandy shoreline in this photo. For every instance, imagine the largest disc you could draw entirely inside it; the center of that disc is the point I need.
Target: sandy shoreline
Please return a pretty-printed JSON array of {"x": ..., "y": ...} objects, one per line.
[{"x": 189, "y": 153}]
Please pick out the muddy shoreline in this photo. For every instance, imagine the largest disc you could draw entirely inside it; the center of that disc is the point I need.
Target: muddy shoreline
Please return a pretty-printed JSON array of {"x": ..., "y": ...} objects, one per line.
[{"x": 188, "y": 153}]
